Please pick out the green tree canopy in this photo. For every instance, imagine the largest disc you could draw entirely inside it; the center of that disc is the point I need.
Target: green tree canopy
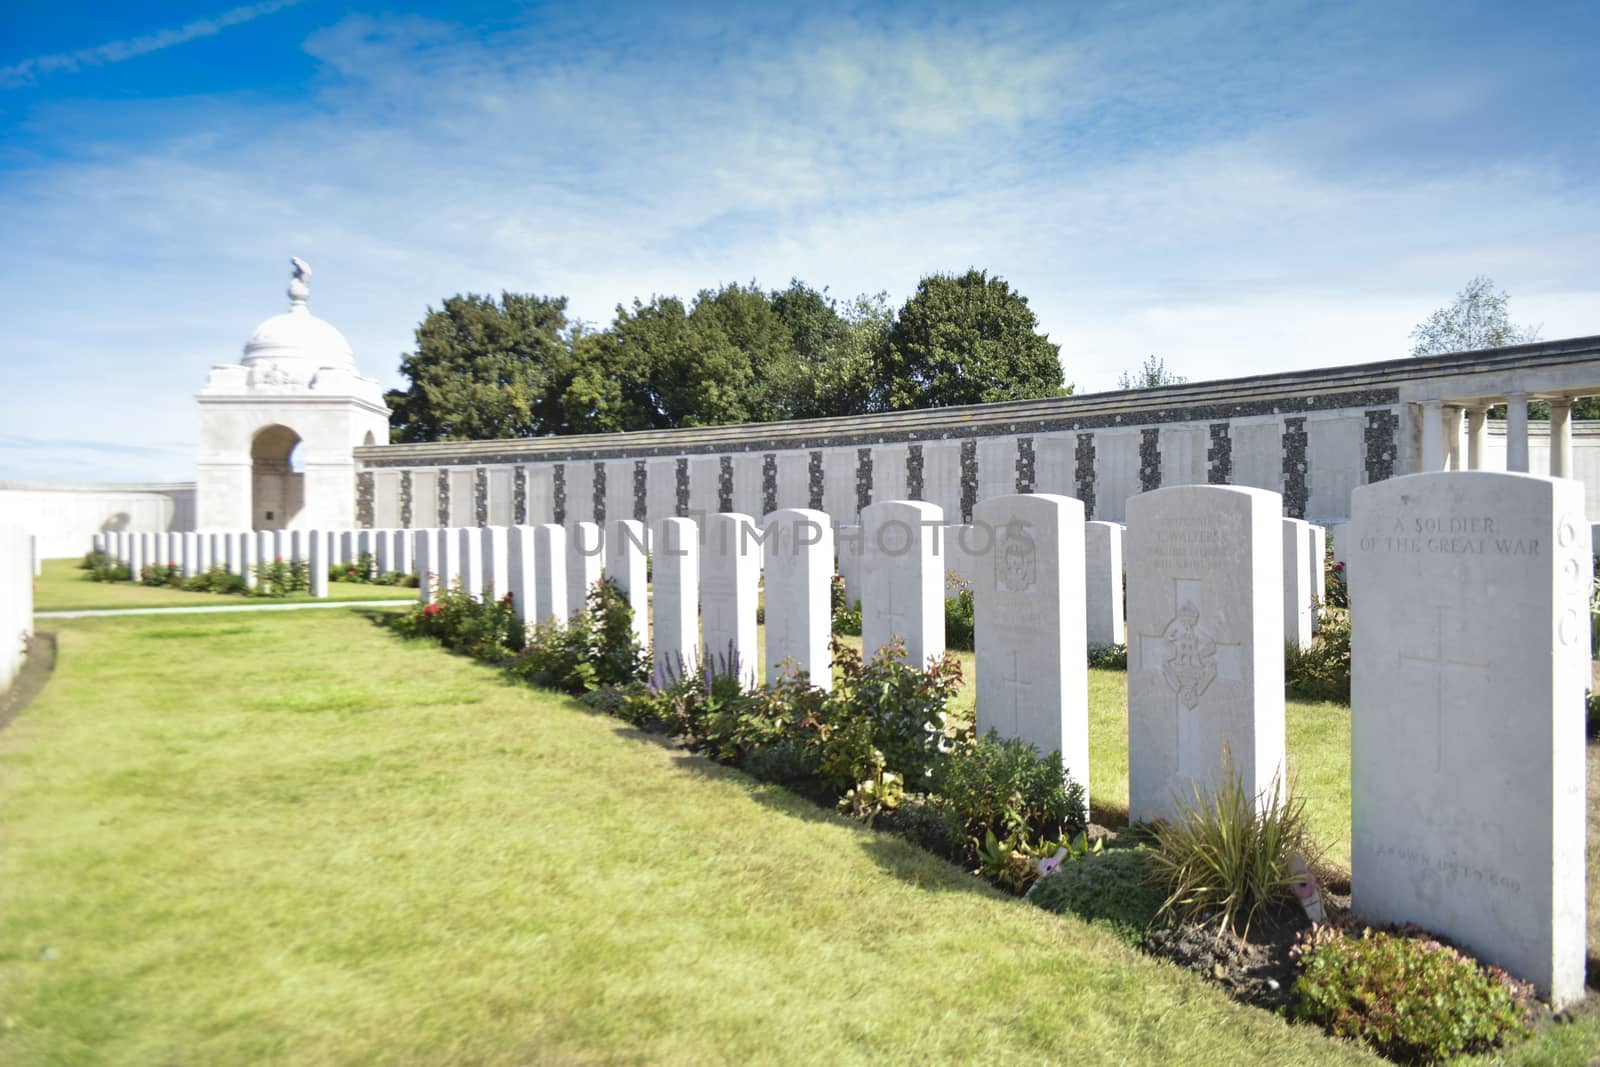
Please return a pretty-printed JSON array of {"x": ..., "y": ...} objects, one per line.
[
  {"x": 1478, "y": 318},
  {"x": 966, "y": 339},
  {"x": 1153, "y": 373}
]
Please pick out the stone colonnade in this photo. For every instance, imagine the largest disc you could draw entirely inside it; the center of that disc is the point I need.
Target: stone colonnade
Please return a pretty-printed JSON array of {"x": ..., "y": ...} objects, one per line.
[{"x": 1442, "y": 426}]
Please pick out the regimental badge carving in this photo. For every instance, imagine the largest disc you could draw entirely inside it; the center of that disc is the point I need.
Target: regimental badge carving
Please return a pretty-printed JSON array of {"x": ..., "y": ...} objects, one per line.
[
  {"x": 1016, "y": 560},
  {"x": 1190, "y": 662}
]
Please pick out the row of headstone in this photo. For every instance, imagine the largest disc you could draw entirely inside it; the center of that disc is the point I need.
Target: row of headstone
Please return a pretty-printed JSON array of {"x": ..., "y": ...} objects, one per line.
[
  {"x": 17, "y": 558},
  {"x": 242, "y": 551}
]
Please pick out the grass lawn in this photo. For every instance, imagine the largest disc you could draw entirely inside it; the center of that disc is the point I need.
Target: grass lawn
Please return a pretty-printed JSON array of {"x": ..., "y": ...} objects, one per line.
[
  {"x": 63, "y": 587},
  {"x": 292, "y": 838}
]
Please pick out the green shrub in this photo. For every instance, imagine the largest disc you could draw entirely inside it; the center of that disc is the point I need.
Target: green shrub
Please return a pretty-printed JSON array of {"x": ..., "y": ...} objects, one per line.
[
  {"x": 102, "y": 568},
  {"x": 1322, "y": 671},
  {"x": 1004, "y": 788},
  {"x": 1108, "y": 657},
  {"x": 1227, "y": 854},
  {"x": 959, "y": 623},
  {"x": 160, "y": 574},
  {"x": 595, "y": 647},
  {"x": 281, "y": 577},
  {"x": 488, "y": 631},
  {"x": 1411, "y": 1000},
  {"x": 846, "y": 618},
  {"x": 215, "y": 580},
  {"x": 903, "y": 706},
  {"x": 1117, "y": 889}
]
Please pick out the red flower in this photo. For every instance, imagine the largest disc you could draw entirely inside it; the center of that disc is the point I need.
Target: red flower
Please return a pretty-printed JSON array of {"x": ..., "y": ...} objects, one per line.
[{"x": 433, "y": 609}]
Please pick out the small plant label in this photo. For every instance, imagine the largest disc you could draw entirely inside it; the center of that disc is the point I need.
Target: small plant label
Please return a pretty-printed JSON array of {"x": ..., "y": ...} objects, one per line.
[{"x": 1304, "y": 884}]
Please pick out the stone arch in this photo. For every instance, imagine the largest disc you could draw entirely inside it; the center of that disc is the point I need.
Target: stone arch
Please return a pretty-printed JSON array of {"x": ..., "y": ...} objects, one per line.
[{"x": 277, "y": 489}]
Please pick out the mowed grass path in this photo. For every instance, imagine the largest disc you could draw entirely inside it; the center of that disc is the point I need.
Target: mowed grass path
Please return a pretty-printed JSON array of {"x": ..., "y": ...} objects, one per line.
[
  {"x": 296, "y": 839},
  {"x": 64, "y": 587}
]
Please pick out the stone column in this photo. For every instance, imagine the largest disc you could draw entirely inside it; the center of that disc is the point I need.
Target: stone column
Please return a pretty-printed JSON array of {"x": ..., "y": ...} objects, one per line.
[
  {"x": 1517, "y": 432},
  {"x": 1477, "y": 435},
  {"x": 1452, "y": 437},
  {"x": 1433, "y": 456},
  {"x": 1561, "y": 437}
]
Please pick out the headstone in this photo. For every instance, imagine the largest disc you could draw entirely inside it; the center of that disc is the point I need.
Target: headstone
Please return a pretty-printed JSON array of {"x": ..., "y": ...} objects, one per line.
[
  {"x": 521, "y": 573},
  {"x": 1102, "y": 554},
  {"x": 495, "y": 578},
  {"x": 901, "y": 579},
  {"x": 1319, "y": 573},
  {"x": 280, "y": 546},
  {"x": 231, "y": 557},
  {"x": 191, "y": 553},
  {"x": 729, "y": 571},
  {"x": 585, "y": 560},
  {"x": 799, "y": 573},
  {"x": 848, "y": 548},
  {"x": 1297, "y": 582},
  {"x": 135, "y": 556},
  {"x": 449, "y": 566},
  {"x": 470, "y": 540},
  {"x": 425, "y": 551},
  {"x": 676, "y": 588},
  {"x": 348, "y": 550},
  {"x": 249, "y": 556},
  {"x": 97, "y": 544},
  {"x": 1470, "y": 656},
  {"x": 628, "y": 566},
  {"x": 205, "y": 548},
  {"x": 1033, "y": 672},
  {"x": 317, "y": 562},
  {"x": 1205, "y": 643},
  {"x": 550, "y": 573},
  {"x": 402, "y": 552},
  {"x": 383, "y": 550}
]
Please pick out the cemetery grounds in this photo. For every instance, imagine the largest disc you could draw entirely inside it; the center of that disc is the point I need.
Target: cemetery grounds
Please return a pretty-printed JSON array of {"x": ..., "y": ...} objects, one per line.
[{"x": 293, "y": 837}]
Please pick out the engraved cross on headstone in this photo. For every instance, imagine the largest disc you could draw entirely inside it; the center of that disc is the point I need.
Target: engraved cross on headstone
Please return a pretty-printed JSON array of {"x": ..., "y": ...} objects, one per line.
[
  {"x": 1434, "y": 663},
  {"x": 1189, "y": 659},
  {"x": 1016, "y": 685},
  {"x": 887, "y": 611}
]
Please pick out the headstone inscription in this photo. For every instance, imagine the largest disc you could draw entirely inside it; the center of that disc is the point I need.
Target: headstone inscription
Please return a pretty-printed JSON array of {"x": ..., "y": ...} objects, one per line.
[
  {"x": 1470, "y": 656},
  {"x": 1205, "y": 643}
]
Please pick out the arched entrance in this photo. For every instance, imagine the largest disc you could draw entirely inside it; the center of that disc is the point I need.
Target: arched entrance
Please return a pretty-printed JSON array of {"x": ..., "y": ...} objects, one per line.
[{"x": 277, "y": 488}]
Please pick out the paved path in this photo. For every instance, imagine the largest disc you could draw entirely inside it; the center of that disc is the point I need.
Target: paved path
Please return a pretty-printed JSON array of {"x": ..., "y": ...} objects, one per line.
[{"x": 90, "y": 613}]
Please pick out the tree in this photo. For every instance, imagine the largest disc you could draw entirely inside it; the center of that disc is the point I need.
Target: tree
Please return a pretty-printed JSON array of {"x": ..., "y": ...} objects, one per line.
[
  {"x": 485, "y": 369},
  {"x": 1477, "y": 319},
  {"x": 1153, "y": 373},
  {"x": 838, "y": 350},
  {"x": 966, "y": 339}
]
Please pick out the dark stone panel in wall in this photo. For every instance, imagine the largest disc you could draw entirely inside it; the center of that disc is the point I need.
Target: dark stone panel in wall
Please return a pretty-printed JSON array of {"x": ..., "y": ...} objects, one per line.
[
  {"x": 682, "y": 486},
  {"x": 641, "y": 491},
  {"x": 444, "y": 497},
  {"x": 559, "y": 494},
  {"x": 1378, "y": 436},
  {"x": 480, "y": 496},
  {"x": 969, "y": 479},
  {"x": 814, "y": 481},
  {"x": 875, "y": 430},
  {"x": 769, "y": 483},
  {"x": 914, "y": 472},
  {"x": 1083, "y": 472},
  {"x": 365, "y": 491},
  {"x": 1025, "y": 465},
  {"x": 519, "y": 496},
  {"x": 405, "y": 499},
  {"x": 1296, "y": 480},
  {"x": 863, "y": 478},
  {"x": 725, "y": 483},
  {"x": 600, "y": 493},
  {"x": 1150, "y": 458},
  {"x": 1219, "y": 456}
]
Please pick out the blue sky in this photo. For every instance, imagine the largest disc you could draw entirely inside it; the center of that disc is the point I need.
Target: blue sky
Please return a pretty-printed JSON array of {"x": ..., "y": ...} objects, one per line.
[{"x": 1237, "y": 188}]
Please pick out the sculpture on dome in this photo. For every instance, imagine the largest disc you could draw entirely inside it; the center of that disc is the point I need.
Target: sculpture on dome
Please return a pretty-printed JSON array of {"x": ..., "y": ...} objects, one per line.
[
  {"x": 298, "y": 289},
  {"x": 302, "y": 269}
]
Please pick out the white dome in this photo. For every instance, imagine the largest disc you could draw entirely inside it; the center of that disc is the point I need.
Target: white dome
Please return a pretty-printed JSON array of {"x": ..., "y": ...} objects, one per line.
[
  {"x": 298, "y": 341},
  {"x": 299, "y": 336}
]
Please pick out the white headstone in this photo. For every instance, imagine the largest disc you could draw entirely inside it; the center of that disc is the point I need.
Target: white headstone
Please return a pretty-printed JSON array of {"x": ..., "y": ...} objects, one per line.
[
  {"x": 317, "y": 562},
  {"x": 902, "y": 582},
  {"x": 204, "y": 548},
  {"x": 1205, "y": 642},
  {"x": 495, "y": 576},
  {"x": 1470, "y": 656},
  {"x": 136, "y": 545},
  {"x": 469, "y": 540},
  {"x": 550, "y": 572},
  {"x": 280, "y": 546},
  {"x": 190, "y": 544},
  {"x": 799, "y": 604},
  {"x": 383, "y": 550},
  {"x": 402, "y": 552},
  {"x": 1297, "y": 582},
  {"x": 676, "y": 593},
  {"x": 1102, "y": 554},
  {"x": 627, "y": 565},
  {"x": 249, "y": 557},
  {"x": 425, "y": 550},
  {"x": 1033, "y": 673},
  {"x": 585, "y": 560},
  {"x": 729, "y": 571},
  {"x": 348, "y": 552},
  {"x": 1319, "y": 573},
  {"x": 521, "y": 573},
  {"x": 848, "y": 548}
]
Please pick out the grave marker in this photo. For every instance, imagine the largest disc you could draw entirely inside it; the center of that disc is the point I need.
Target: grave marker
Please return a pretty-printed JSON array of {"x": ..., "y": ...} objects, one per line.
[
  {"x": 1102, "y": 552},
  {"x": 799, "y": 569},
  {"x": 676, "y": 560},
  {"x": 902, "y": 579},
  {"x": 729, "y": 571},
  {"x": 628, "y": 567}
]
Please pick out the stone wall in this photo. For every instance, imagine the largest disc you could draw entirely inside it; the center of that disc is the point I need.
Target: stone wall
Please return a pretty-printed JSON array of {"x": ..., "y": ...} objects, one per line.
[
  {"x": 1312, "y": 436},
  {"x": 65, "y": 516}
]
